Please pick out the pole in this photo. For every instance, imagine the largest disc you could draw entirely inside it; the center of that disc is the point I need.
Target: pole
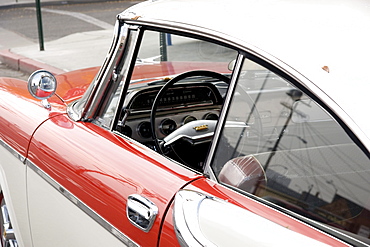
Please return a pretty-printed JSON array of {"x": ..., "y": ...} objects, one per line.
[
  {"x": 39, "y": 25},
  {"x": 163, "y": 46}
]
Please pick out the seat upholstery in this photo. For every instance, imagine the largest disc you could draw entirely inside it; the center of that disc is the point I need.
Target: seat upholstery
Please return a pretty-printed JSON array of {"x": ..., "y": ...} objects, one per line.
[{"x": 244, "y": 173}]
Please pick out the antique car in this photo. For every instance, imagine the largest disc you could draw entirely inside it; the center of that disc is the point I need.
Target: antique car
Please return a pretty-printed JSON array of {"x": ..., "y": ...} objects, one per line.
[{"x": 209, "y": 123}]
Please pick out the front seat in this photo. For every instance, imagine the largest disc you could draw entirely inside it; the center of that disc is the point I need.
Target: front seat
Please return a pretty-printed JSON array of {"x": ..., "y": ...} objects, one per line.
[{"x": 245, "y": 173}]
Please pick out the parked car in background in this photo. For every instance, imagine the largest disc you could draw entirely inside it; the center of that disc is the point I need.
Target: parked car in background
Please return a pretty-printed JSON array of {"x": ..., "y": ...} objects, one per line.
[{"x": 210, "y": 123}]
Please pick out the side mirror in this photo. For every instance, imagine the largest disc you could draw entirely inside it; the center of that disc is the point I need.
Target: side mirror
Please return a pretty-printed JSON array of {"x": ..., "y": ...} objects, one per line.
[{"x": 42, "y": 85}]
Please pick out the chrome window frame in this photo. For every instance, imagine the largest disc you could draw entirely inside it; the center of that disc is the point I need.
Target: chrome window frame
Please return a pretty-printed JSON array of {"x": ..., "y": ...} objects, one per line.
[
  {"x": 86, "y": 108},
  {"x": 208, "y": 171}
]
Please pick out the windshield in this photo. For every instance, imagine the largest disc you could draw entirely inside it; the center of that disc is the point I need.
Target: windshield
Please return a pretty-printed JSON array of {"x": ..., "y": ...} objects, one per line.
[{"x": 164, "y": 55}]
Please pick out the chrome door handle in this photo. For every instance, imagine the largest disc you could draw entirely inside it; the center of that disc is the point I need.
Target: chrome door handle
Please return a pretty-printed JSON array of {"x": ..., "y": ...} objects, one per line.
[{"x": 141, "y": 212}]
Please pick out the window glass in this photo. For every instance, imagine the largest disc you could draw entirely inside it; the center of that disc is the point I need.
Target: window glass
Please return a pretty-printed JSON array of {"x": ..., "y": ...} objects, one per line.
[
  {"x": 164, "y": 54},
  {"x": 279, "y": 144}
]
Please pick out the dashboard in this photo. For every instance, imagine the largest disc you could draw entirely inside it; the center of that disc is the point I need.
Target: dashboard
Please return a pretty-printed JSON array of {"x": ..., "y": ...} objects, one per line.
[{"x": 180, "y": 105}]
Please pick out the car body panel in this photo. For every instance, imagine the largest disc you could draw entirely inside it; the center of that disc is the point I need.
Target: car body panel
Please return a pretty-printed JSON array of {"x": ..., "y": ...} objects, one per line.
[
  {"x": 211, "y": 188},
  {"x": 13, "y": 188},
  {"x": 14, "y": 93},
  {"x": 72, "y": 85},
  {"x": 14, "y": 139},
  {"x": 49, "y": 207}
]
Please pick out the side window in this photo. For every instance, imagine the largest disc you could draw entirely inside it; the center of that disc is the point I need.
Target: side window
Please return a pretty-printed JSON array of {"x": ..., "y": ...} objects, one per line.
[{"x": 280, "y": 145}]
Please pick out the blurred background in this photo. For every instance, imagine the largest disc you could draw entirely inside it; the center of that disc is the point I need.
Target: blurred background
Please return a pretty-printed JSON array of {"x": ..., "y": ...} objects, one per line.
[{"x": 63, "y": 24}]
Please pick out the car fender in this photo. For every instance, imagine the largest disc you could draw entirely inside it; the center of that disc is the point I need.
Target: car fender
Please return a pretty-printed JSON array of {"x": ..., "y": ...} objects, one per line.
[{"x": 20, "y": 116}]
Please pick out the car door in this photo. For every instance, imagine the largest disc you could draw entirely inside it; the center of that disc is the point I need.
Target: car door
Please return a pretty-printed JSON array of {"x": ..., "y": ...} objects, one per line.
[{"x": 82, "y": 179}]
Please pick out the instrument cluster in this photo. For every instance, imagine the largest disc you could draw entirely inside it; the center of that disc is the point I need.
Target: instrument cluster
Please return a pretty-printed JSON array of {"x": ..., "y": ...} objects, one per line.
[
  {"x": 140, "y": 129},
  {"x": 179, "y": 106}
]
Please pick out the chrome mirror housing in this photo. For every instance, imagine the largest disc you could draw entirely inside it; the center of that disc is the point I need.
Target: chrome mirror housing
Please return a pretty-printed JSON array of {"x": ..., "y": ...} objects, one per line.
[{"x": 42, "y": 85}]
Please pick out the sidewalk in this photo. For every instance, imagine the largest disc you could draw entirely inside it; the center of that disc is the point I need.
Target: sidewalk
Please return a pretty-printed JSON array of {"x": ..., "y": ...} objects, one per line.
[{"x": 75, "y": 51}]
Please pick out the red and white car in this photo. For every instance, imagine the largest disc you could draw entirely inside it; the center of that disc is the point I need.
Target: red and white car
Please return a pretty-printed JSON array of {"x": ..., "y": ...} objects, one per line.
[{"x": 210, "y": 123}]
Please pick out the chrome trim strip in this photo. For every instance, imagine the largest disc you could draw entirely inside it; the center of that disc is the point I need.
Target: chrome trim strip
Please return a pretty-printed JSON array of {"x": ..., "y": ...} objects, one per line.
[
  {"x": 205, "y": 33},
  {"x": 176, "y": 105},
  {"x": 186, "y": 219},
  {"x": 74, "y": 115},
  {"x": 12, "y": 151},
  {"x": 105, "y": 224},
  {"x": 222, "y": 118},
  {"x": 187, "y": 107},
  {"x": 102, "y": 81}
]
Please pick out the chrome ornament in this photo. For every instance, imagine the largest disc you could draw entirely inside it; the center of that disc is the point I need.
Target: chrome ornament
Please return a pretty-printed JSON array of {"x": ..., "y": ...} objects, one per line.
[{"x": 201, "y": 127}]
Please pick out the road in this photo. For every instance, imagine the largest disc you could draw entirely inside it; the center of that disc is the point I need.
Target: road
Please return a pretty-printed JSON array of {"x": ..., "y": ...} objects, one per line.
[{"x": 18, "y": 26}]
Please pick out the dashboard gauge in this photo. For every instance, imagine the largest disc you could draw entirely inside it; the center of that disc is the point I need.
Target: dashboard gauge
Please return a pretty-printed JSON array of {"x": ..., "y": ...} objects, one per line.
[
  {"x": 144, "y": 130},
  {"x": 188, "y": 119},
  {"x": 125, "y": 130},
  {"x": 210, "y": 116},
  {"x": 167, "y": 126}
]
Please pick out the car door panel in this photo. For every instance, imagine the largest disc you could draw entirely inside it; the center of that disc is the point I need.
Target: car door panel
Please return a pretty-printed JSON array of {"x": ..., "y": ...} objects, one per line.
[
  {"x": 168, "y": 235},
  {"x": 56, "y": 220},
  {"x": 98, "y": 168}
]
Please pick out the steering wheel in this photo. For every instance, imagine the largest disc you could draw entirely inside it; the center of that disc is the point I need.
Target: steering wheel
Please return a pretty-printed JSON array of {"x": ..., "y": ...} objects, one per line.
[
  {"x": 170, "y": 83},
  {"x": 198, "y": 131}
]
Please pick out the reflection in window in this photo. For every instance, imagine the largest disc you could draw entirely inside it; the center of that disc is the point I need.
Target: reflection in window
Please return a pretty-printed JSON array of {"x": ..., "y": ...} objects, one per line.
[
  {"x": 285, "y": 148},
  {"x": 164, "y": 54}
]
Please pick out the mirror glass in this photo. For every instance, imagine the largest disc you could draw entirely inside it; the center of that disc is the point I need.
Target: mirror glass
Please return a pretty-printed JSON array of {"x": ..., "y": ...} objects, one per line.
[{"x": 42, "y": 84}]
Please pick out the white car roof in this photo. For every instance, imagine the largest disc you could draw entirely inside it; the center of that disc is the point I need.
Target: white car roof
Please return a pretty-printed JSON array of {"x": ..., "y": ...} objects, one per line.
[{"x": 306, "y": 35}]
